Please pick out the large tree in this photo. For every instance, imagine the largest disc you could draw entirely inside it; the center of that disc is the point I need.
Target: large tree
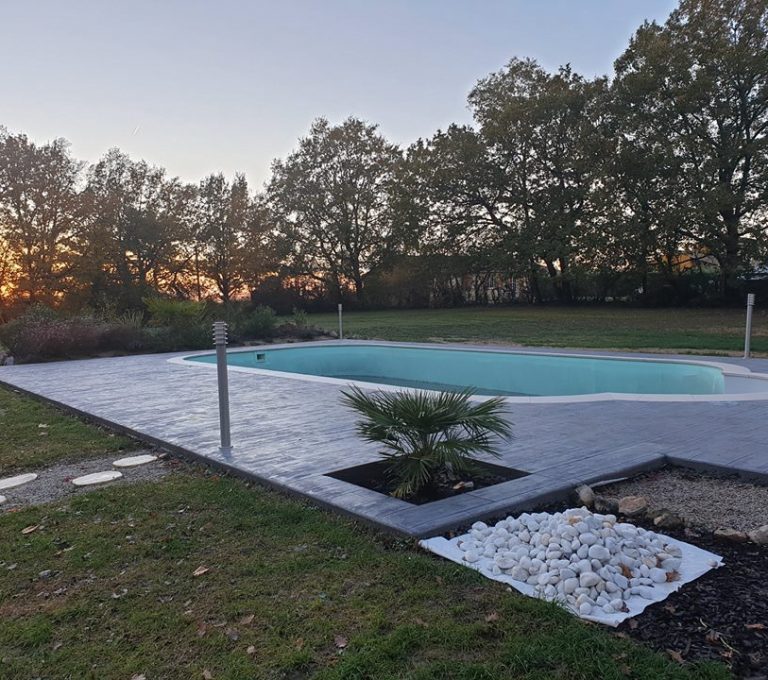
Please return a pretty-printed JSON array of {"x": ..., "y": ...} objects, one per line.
[
  {"x": 224, "y": 213},
  {"x": 695, "y": 92},
  {"x": 134, "y": 230},
  {"x": 39, "y": 215},
  {"x": 543, "y": 131},
  {"x": 332, "y": 202}
]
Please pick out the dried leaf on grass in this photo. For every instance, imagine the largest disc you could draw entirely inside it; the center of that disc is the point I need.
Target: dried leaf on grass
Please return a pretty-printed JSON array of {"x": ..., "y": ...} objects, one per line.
[
  {"x": 675, "y": 656},
  {"x": 200, "y": 571},
  {"x": 340, "y": 641}
]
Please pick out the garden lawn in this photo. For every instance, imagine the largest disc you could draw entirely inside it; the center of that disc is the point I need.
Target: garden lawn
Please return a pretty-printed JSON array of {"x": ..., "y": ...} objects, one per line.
[
  {"x": 288, "y": 591},
  {"x": 597, "y": 327},
  {"x": 33, "y": 435}
]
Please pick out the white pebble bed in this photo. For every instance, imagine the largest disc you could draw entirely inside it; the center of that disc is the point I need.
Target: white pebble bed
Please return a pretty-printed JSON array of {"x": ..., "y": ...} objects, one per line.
[{"x": 590, "y": 562}]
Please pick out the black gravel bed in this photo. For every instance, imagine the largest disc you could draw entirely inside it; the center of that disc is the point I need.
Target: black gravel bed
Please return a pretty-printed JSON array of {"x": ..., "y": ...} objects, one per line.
[{"x": 720, "y": 616}]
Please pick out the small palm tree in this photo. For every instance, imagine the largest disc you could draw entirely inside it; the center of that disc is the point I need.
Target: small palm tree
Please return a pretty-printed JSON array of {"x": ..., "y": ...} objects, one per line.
[{"x": 425, "y": 434}]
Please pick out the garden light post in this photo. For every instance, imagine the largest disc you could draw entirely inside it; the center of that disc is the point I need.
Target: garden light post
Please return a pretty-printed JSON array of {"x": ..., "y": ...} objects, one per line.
[
  {"x": 220, "y": 341},
  {"x": 748, "y": 333},
  {"x": 341, "y": 324}
]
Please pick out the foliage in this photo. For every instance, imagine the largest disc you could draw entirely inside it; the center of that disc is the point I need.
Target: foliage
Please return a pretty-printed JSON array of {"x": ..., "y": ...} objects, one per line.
[
  {"x": 299, "y": 318},
  {"x": 560, "y": 185},
  {"x": 176, "y": 313},
  {"x": 424, "y": 433},
  {"x": 332, "y": 202},
  {"x": 259, "y": 323}
]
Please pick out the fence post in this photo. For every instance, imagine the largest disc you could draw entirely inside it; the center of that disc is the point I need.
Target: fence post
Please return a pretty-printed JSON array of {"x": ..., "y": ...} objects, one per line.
[
  {"x": 341, "y": 324},
  {"x": 748, "y": 332},
  {"x": 220, "y": 341}
]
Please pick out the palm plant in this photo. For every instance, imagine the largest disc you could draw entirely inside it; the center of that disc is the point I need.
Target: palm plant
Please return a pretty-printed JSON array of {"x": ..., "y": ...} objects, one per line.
[{"x": 425, "y": 434}]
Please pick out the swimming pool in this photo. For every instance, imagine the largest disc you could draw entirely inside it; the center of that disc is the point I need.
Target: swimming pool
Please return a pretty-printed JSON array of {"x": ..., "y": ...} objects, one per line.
[{"x": 490, "y": 372}]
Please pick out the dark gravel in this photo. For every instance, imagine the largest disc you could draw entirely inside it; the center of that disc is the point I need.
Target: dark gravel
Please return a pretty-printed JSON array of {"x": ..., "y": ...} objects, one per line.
[
  {"x": 721, "y": 616},
  {"x": 54, "y": 482}
]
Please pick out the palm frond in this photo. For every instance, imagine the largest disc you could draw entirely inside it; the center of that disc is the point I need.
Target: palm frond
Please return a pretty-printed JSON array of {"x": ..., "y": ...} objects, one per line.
[{"x": 423, "y": 433}]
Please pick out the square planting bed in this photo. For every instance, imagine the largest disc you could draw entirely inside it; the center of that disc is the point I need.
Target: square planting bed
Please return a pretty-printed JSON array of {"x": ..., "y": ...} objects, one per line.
[{"x": 373, "y": 476}]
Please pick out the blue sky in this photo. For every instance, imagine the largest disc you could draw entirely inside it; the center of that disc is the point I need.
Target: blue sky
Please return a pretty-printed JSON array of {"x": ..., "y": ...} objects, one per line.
[{"x": 228, "y": 85}]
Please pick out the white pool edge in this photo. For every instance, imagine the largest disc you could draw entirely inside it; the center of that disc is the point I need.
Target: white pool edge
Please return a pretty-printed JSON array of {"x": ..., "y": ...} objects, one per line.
[{"x": 728, "y": 370}]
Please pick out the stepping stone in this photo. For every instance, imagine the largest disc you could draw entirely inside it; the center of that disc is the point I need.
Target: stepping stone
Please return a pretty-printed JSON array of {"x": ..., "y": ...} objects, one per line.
[
  {"x": 18, "y": 480},
  {"x": 133, "y": 461},
  {"x": 97, "y": 478}
]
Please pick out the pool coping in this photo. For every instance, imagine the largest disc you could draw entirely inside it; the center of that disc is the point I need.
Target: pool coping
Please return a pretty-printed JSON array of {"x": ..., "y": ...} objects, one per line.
[{"x": 728, "y": 370}]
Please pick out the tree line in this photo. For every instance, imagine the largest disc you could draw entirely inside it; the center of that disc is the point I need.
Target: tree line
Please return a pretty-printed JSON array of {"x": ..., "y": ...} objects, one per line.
[{"x": 656, "y": 172}]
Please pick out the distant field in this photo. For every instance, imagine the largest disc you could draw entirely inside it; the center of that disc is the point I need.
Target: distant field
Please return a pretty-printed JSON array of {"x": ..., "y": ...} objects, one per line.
[{"x": 605, "y": 327}]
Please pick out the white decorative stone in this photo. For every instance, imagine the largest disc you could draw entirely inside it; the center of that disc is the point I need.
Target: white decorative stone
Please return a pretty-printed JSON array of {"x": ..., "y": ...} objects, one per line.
[
  {"x": 587, "y": 560},
  {"x": 97, "y": 478},
  {"x": 18, "y": 480},
  {"x": 2, "y": 499},
  {"x": 133, "y": 461}
]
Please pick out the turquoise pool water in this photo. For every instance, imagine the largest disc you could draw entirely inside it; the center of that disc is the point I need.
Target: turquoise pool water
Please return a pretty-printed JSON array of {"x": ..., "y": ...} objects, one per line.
[{"x": 502, "y": 373}]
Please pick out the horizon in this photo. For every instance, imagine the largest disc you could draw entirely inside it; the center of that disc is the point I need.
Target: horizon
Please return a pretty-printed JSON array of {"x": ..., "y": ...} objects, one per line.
[{"x": 206, "y": 117}]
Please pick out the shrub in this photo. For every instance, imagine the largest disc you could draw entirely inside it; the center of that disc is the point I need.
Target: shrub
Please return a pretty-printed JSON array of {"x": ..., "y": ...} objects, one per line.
[
  {"x": 426, "y": 434},
  {"x": 176, "y": 313},
  {"x": 39, "y": 340},
  {"x": 260, "y": 323},
  {"x": 300, "y": 319}
]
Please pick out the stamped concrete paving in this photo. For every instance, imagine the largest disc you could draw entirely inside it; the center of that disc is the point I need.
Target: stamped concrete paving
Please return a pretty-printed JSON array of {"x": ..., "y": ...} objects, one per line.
[{"x": 290, "y": 433}]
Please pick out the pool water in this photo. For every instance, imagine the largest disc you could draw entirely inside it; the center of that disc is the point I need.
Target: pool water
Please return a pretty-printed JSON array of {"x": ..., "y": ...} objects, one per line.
[{"x": 487, "y": 372}]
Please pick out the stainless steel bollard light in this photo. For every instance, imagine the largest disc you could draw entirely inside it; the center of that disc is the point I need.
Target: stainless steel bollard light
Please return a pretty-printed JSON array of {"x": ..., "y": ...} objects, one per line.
[
  {"x": 341, "y": 325},
  {"x": 748, "y": 333},
  {"x": 220, "y": 341}
]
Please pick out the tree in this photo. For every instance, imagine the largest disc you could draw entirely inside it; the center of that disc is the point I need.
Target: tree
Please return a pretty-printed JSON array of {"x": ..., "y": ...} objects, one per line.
[
  {"x": 224, "y": 214},
  {"x": 696, "y": 91},
  {"x": 134, "y": 231},
  {"x": 543, "y": 131},
  {"x": 39, "y": 214},
  {"x": 332, "y": 202}
]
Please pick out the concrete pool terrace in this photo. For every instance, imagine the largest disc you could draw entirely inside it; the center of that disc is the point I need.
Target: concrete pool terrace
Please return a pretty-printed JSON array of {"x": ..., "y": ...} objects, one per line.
[{"x": 290, "y": 432}]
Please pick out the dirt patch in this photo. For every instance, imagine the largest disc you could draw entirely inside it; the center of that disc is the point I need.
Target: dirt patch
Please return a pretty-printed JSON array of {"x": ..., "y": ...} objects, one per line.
[
  {"x": 55, "y": 482},
  {"x": 707, "y": 500}
]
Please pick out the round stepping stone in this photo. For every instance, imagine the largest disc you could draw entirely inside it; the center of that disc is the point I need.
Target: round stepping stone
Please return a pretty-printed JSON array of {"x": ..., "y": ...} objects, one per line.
[
  {"x": 97, "y": 478},
  {"x": 18, "y": 480},
  {"x": 132, "y": 461}
]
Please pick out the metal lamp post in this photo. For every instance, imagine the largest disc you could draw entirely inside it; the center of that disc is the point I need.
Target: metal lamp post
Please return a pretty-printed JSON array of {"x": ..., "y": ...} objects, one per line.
[
  {"x": 220, "y": 341},
  {"x": 748, "y": 332}
]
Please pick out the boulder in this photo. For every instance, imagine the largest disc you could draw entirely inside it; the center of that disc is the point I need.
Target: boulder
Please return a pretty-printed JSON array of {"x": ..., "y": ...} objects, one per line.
[
  {"x": 584, "y": 495},
  {"x": 606, "y": 506},
  {"x": 633, "y": 506},
  {"x": 759, "y": 535},
  {"x": 665, "y": 519},
  {"x": 731, "y": 535}
]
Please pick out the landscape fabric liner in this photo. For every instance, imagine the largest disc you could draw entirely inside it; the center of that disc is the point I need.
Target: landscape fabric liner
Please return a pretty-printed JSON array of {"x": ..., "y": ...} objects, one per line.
[{"x": 695, "y": 563}]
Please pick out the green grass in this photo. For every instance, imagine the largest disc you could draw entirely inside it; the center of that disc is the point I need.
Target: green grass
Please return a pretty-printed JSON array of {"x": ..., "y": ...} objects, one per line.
[
  {"x": 291, "y": 592},
  {"x": 598, "y": 327},
  {"x": 25, "y": 445}
]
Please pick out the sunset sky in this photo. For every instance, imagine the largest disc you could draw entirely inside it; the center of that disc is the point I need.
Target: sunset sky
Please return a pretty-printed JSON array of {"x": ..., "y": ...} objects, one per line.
[{"x": 201, "y": 87}]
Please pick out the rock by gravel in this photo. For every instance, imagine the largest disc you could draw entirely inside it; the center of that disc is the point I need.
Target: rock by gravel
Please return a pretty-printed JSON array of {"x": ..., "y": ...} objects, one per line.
[
  {"x": 56, "y": 481},
  {"x": 732, "y": 535},
  {"x": 584, "y": 495},
  {"x": 702, "y": 499},
  {"x": 759, "y": 535},
  {"x": 633, "y": 506},
  {"x": 605, "y": 505},
  {"x": 665, "y": 519}
]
